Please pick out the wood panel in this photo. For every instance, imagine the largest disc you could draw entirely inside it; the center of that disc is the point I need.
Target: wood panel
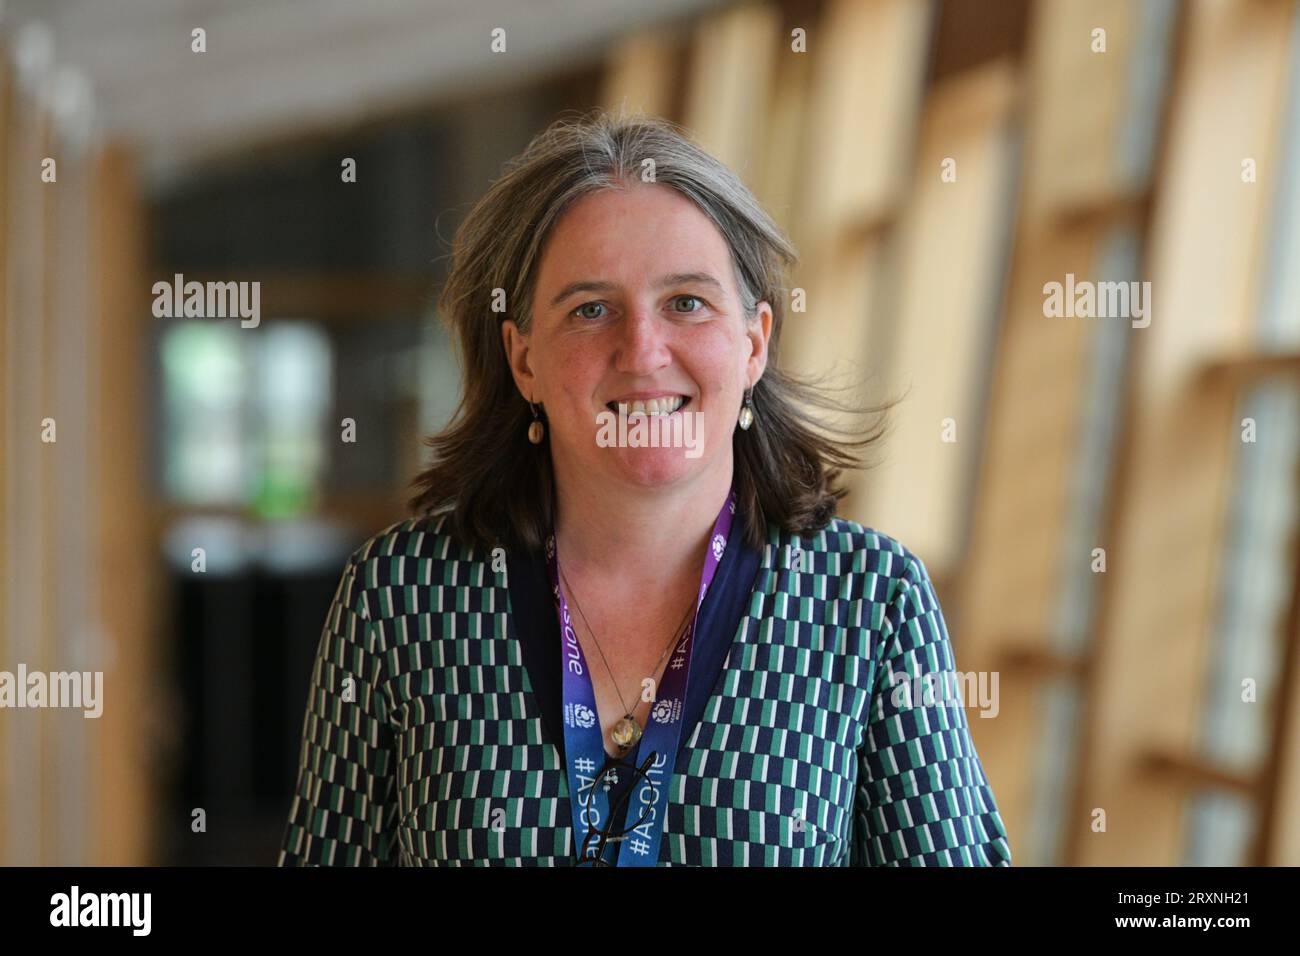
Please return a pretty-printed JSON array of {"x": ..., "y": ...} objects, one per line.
[
  {"x": 641, "y": 73},
  {"x": 1205, "y": 261},
  {"x": 25, "y": 464},
  {"x": 733, "y": 61},
  {"x": 868, "y": 82},
  {"x": 1013, "y": 569},
  {"x": 1075, "y": 142},
  {"x": 6, "y": 428},
  {"x": 1280, "y": 832},
  {"x": 783, "y": 172},
  {"x": 1025, "y": 542},
  {"x": 953, "y": 237},
  {"x": 836, "y": 185},
  {"x": 125, "y": 771}
]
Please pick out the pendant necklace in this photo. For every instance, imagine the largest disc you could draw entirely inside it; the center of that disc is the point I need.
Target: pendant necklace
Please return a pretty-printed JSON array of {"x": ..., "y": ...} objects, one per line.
[{"x": 627, "y": 731}]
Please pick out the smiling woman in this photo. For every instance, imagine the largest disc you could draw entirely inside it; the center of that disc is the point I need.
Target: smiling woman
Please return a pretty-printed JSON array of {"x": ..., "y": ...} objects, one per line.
[
  {"x": 603, "y": 287},
  {"x": 745, "y": 639}
]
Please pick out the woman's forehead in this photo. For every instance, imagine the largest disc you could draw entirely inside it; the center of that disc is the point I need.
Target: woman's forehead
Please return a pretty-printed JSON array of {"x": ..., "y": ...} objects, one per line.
[{"x": 611, "y": 237}]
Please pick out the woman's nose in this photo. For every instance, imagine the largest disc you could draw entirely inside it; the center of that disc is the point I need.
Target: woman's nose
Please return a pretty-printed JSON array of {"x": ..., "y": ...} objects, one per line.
[{"x": 642, "y": 345}]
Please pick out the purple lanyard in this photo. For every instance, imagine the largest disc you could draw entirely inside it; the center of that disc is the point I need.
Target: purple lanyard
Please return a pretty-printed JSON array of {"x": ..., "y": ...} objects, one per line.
[{"x": 584, "y": 739}]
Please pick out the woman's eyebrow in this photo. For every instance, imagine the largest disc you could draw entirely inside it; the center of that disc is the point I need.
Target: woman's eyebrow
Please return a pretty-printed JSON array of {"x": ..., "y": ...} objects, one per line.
[{"x": 676, "y": 278}]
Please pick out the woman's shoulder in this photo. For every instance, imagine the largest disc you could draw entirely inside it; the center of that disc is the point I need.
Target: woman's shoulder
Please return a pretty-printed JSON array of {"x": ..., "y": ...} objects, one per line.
[
  {"x": 844, "y": 534},
  {"x": 846, "y": 546},
  {"x": 396, "y": 552}
]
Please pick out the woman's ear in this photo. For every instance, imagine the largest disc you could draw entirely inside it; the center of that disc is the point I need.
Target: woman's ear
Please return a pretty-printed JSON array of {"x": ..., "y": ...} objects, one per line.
[
  {"x": 516, "y": 347},
  {"x": 759, "y": 331}
]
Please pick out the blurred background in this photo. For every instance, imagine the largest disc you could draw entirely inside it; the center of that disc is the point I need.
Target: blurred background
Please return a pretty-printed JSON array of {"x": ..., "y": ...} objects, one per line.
[{"x": 1108, "y": 510}]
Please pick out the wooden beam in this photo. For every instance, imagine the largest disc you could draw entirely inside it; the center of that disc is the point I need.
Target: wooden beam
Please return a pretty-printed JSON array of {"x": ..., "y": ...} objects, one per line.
[
  {"x": 1026, "y": 542},
  {"x": 6, "y": 426},
  {"x": 868, "y": 62},
  {"x": 1040, "y": 660},
  {"x": 24, "y": 462},
  {"x": 1277, "y": 842},
  {"x": 953, "y": 237},
  {"x": 1192, "y": 775},
  {"x": 1076, "y": 158},
  {"x": 1016, "y": 565},
  {"x": 641, "y": 74},
  {"x": 784, "y": 169},
  {"x": 50, "y": 461},
  {"x": 1252, "y": 368},
  {"x": 733, "y": 62},
  {"x": 1205, "y": 269},
  {"x": 130, "y": 595}
]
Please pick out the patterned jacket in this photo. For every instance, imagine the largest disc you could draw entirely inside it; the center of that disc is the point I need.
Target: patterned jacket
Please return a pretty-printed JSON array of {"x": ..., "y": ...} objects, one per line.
[{"x": 831, "y": 736}]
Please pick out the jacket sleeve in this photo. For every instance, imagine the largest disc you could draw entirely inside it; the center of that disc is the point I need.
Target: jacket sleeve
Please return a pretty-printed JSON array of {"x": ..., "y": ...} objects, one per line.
[
  {"x": 344, "y": 807},
  {"x": 922, "y": 798}
]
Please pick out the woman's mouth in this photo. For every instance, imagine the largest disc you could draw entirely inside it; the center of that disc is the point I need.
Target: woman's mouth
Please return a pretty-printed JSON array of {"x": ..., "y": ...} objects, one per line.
[{"x": 666, "y": 405}]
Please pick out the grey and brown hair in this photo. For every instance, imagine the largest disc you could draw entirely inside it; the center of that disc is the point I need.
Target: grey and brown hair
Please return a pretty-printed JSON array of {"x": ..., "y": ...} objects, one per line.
[{"x": 495, "y": 484}]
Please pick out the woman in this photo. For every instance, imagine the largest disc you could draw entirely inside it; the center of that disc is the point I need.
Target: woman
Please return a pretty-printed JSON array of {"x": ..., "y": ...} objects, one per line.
[{"x": 596, "y": 648}]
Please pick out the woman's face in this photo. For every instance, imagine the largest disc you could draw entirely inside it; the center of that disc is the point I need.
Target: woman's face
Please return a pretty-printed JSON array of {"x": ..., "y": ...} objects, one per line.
[{"x": 636, "y": 298}]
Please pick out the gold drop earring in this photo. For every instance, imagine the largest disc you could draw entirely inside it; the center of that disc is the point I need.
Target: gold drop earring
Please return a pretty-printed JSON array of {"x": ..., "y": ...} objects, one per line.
[{"x": 536, "y": 430}]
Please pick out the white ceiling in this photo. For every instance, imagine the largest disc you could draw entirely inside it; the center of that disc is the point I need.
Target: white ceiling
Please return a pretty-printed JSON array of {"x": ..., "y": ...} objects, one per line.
[{"x": 279, "y": 67}]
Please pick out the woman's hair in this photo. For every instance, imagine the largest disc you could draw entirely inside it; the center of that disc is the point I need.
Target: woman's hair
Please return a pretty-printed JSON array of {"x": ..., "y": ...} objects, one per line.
[{"x": 496, "y": 484}]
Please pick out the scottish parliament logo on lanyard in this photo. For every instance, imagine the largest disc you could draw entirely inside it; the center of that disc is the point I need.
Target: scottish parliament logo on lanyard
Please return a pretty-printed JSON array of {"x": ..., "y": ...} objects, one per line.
[{"x": 584, "y": 739}]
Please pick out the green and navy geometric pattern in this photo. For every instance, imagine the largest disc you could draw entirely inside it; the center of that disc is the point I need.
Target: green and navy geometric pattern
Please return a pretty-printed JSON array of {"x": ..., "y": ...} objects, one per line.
[{"x": 423, "y": 742}]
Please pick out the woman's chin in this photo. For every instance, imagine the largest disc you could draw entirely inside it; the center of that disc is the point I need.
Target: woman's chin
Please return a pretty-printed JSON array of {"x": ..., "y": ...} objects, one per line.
[{"x": 653, "y": 466}]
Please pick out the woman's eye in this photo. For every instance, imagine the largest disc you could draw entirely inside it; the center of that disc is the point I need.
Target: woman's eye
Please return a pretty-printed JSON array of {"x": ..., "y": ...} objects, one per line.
[{"x": 600, "y": 305}]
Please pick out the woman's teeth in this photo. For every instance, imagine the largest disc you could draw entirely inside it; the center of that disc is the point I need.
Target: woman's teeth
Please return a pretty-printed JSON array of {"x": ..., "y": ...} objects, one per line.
[{"x": 654, "y": 406}]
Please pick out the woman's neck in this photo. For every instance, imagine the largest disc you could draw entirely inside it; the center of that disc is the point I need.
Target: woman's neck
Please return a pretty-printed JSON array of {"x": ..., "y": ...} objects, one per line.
[{"x": 629, "y": 535}]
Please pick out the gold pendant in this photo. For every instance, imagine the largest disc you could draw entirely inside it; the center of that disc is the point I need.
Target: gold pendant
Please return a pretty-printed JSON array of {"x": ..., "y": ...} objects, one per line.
[{"x": 626, "y": 732}]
